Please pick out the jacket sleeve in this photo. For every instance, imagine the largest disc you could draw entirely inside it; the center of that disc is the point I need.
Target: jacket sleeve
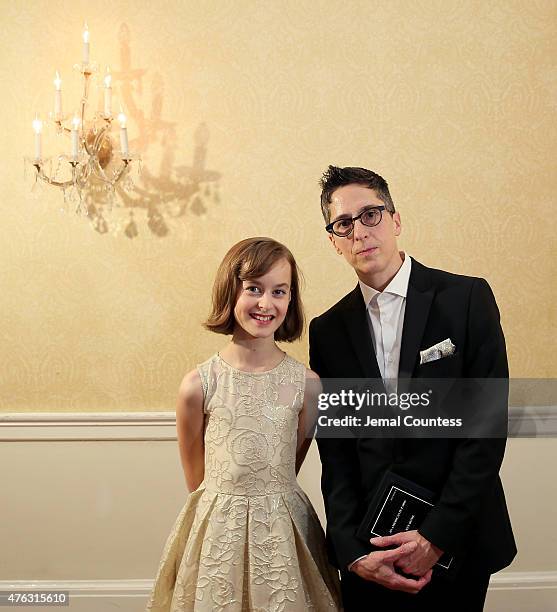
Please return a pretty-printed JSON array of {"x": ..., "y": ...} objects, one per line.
[
  {"x": 340, "y": 480},
  {"x": 476, "y": 462}
]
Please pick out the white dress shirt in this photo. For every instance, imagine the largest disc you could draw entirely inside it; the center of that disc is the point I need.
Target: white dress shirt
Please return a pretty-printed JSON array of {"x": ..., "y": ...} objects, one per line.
[{"x": 386, "y": 317}]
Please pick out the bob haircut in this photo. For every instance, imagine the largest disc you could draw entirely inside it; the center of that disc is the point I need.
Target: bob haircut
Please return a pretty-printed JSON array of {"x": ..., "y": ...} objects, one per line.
[{"x": 247, "y": 260}]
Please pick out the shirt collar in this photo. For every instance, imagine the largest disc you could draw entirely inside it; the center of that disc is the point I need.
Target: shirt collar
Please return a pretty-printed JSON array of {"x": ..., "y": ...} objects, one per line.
[{"x": 397, "y": 286}]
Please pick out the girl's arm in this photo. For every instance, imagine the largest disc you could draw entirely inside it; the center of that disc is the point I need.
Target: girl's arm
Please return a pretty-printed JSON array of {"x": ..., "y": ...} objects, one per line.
[
  {"x": 307, "y": 417},
  {"x": 190, "y": 426}
]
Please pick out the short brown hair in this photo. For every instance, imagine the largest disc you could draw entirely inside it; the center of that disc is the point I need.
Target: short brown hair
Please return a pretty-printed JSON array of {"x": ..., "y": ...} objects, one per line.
[
  {"x": 335, "y": 177},
  {"x": 247, "y": 260}
]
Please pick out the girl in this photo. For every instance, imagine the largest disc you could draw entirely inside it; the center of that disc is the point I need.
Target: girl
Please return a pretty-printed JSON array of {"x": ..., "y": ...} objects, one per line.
[{"x": 247, "y": 538}]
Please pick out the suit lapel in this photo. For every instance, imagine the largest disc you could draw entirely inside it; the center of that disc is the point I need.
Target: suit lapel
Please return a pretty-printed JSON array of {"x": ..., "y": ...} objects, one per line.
[
  {"x": 355, "y": 319},
  {"x": 418, "y": 302}
]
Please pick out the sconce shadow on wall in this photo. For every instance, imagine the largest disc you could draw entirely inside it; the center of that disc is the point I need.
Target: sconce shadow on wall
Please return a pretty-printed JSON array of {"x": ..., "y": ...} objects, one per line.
[{"x": 170, "y": 192}]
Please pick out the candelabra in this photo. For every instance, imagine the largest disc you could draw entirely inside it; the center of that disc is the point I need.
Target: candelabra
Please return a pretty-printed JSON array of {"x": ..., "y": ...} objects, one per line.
[{"x": 94, "y": 164}]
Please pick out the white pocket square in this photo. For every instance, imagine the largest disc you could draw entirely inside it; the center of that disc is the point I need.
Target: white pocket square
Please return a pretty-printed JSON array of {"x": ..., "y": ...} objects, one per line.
[{"x": 445, "y": 348}]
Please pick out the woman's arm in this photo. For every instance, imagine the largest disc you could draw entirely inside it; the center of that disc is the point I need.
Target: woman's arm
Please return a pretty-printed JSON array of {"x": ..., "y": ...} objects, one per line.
[
  {"x": 190, "y": 426},
  {"x": 307, "y": 417}
]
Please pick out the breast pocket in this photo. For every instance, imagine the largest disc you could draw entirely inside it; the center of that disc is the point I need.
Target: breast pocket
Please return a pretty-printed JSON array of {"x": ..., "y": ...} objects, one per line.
[{"x": 446, "y": 367}]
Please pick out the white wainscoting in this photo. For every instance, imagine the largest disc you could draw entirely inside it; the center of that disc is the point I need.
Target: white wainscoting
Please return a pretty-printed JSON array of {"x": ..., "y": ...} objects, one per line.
[
  {"x": 87, "y": 501},
  {"x": 508, "y": 592},
  {"x": 522, "y": 592}
]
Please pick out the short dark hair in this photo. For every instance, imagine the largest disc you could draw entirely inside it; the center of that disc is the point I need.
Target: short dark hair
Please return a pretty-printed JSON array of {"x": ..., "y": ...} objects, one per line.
[
  {"x": 247, "y": 260},
  {"x": 335, "y": 177}
]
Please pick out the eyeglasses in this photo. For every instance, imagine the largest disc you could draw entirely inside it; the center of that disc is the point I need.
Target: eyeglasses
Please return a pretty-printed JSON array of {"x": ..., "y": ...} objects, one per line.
[{"x": 343, "y": 227}]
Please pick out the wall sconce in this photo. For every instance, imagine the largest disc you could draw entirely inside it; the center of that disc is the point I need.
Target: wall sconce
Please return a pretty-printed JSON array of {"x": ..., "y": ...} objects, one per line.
[{"x": 92, "y": 157}]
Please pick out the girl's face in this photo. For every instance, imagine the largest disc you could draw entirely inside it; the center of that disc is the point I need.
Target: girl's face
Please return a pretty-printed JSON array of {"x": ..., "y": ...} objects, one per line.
[{"x": 262, "y": 303}]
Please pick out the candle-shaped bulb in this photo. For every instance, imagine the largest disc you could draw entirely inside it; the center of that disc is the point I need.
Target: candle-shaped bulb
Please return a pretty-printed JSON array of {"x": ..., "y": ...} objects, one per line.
[
  {"x": 37, "y": 125},
  {"x": 86, "y": 33},
  {"x": 123, "y": 135},
  {"x": 75, "y": 122},
  {"x": 58, "y": 82},
  {"x": 108, "y": 78}
]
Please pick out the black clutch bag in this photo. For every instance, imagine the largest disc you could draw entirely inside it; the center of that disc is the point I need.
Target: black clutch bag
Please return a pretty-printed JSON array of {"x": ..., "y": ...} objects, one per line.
[{"x": 398, "y": 505}]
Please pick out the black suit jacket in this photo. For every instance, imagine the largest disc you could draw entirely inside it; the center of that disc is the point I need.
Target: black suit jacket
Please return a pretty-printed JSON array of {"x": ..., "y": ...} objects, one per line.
[{"x": 470, "y": 519}]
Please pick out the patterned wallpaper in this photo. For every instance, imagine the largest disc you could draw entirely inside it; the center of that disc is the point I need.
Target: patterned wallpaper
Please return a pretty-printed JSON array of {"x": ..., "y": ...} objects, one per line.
[{"x": 236, "y": 108}]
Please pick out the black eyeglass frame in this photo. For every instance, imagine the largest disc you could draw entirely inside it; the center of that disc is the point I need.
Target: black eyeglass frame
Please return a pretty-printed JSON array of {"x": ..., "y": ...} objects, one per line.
[{"x": 353, "y": 220}]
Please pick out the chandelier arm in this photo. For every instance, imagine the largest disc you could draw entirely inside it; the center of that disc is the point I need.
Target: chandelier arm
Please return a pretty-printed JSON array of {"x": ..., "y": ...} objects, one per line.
[
  {"x": 118, "y": 175},
  {"x": 81, "y": 179},
  {"x": 97, "y": 143},
  {"x": 101, "y": 174},
  {"x": 47, "y": 179}
]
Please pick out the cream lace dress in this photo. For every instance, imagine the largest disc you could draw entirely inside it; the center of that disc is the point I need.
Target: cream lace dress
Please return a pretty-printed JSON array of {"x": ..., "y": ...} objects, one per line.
[{"x": 247, "y": 537}]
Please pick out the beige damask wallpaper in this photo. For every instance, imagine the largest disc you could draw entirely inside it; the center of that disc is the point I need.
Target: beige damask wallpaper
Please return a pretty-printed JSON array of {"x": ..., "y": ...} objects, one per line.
[{"x": 236, "y": 108}]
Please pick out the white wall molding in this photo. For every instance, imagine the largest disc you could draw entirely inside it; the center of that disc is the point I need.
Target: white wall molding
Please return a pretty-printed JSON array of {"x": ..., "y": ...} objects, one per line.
[
  {"x": 83, "y": 588},
  {"x": 533, "y": 421},
  {"x": 510, "y": 581},
  {"x": 90, "y": 595},
  {"x": 524, "y": 422},
  {"x": 502, "y": 581},
  {"x": 131, "y": 595},
  {"x": 522, "y": 592},
  {"x": 93, "y": 426}
]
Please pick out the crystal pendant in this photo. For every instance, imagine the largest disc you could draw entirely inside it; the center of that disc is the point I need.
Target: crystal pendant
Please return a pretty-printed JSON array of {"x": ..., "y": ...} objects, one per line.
[{"x": 110, "y": 197}]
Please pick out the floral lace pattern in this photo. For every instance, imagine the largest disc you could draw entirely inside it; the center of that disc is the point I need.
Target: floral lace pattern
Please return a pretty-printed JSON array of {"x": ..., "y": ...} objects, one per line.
[{"x": 247, "y": 538}]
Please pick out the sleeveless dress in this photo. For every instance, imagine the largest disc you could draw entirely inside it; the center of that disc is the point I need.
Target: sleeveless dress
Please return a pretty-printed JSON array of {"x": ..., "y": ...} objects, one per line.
[{"x": 248, "y": 538}]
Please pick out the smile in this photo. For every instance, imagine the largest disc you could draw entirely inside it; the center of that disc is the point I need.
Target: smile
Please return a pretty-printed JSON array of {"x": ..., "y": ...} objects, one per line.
[{"x": 263, "y": 318}]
